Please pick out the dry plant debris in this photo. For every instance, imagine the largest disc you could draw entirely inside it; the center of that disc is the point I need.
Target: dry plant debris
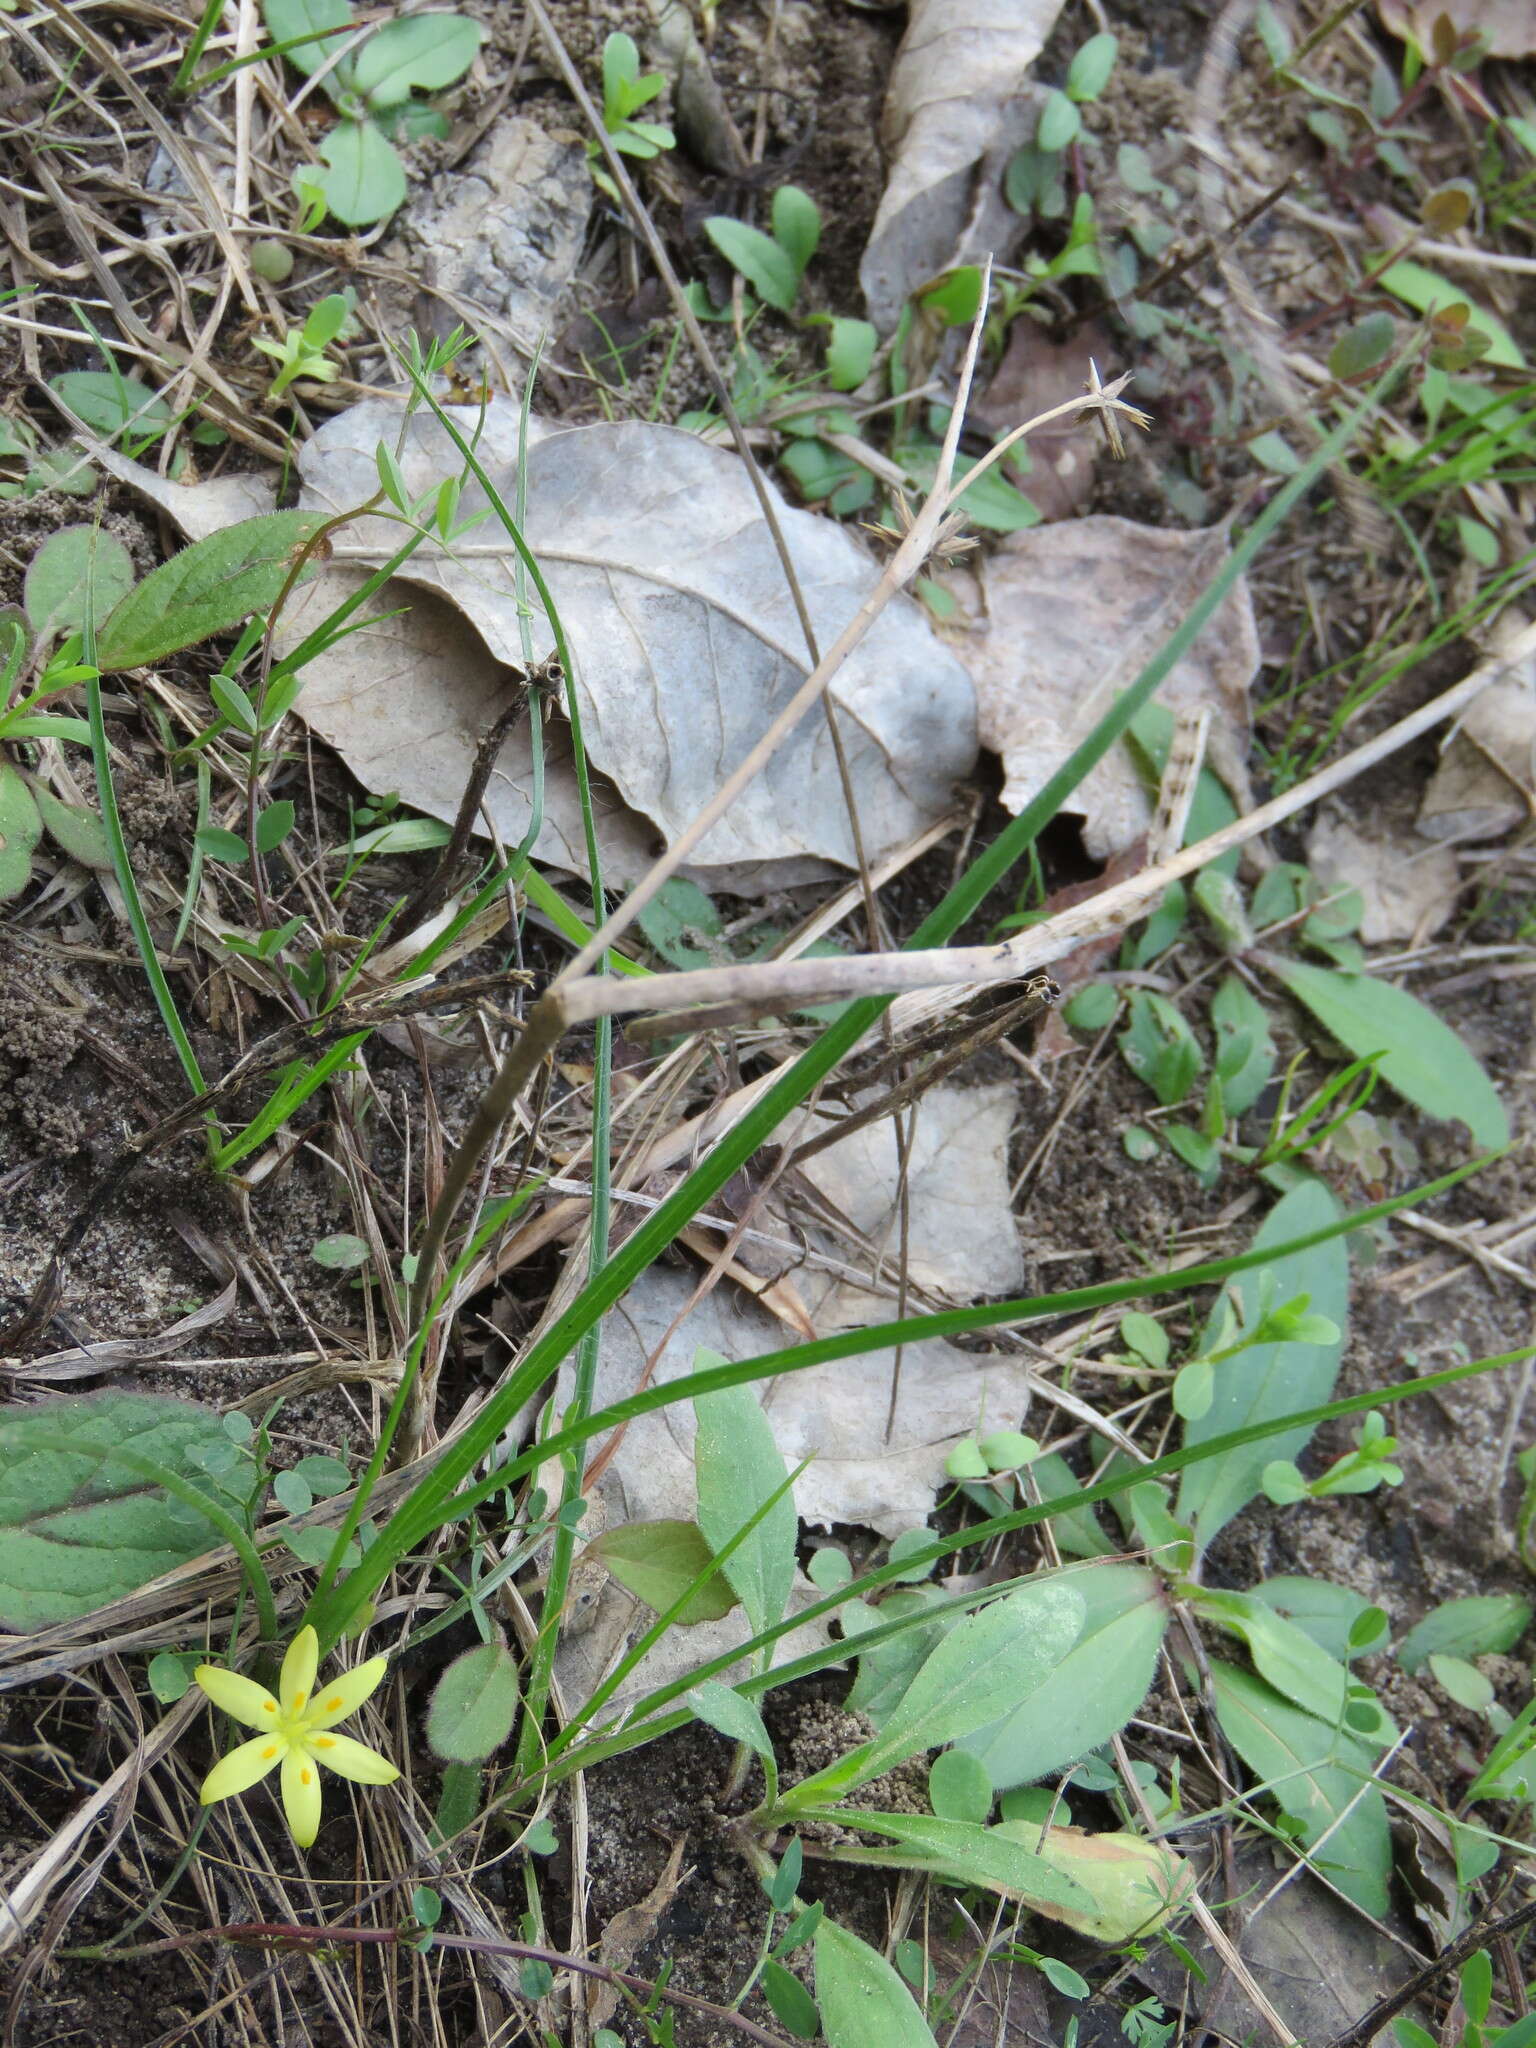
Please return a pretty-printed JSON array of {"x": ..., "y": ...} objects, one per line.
[{"x": 1061, "y": 619}]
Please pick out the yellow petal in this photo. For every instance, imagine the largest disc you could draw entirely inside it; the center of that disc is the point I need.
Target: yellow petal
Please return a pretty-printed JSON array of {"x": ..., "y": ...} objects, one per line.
[
  {"x": 344, "y": 1695},
  {"x": 242, "y": 1768},
  {"x": 297, "y": 1681},
  {"x": 242, "y": 1697},
  {"x": 301, "y": 1796},
  {"x": 349, "y": 1759}
]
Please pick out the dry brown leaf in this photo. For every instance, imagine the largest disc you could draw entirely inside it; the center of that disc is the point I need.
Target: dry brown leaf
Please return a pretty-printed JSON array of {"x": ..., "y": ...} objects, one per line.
[
  {"x": 1485, "y": 784},
  {"x": 1506, "y": 28},
  {"x": 628, "y": 1932},
  {"x": 682, "y": 630},
  {"x": 833, "y": 1414},
  {"x": 1408, "y": 891},
  {"x": 1062, "y": 619},
  {"x": 955, "y": 111}
]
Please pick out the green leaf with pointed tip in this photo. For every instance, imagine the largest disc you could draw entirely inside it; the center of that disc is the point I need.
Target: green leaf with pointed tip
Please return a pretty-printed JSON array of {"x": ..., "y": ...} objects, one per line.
[
  {"x": 729, "y": 1713},
  {"x": 769, "y": 270},
  {"x": 976, "y": 1672},
  {"x": 863, "y": 2002},
  {"x": 1319, "y": 1775},
  {"x": 1092, "y": 1693},
  {"x": 658, "y": 1562},
  {"x": 1478, "y": 1626},
  {"x": 1423, "y": 1059},
  {"x": 738, "y": 1467},
  {"x": 1266, "y": 1381},
  {"x": 1325, "y": 1612},
  {"x": 1287, "y": 1658},
  {"x": 210, "y": 587}
]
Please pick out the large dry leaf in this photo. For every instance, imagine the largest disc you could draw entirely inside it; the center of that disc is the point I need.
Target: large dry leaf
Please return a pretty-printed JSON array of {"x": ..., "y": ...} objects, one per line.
[
  {"x": 683, "y": 634},
  {"x": 955, "y": 111},
  {"x": 1505, "y": 28},
  {"x": 682, "y": 631},
  {"x": 1063, "y": 619},
  {"x": 963, "y": 1245},
  {"x": 1485, "y": 784}
]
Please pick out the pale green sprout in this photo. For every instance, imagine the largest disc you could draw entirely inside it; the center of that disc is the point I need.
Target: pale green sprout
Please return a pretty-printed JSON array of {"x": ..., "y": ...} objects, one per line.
[{"x": 295, "y": 1732}]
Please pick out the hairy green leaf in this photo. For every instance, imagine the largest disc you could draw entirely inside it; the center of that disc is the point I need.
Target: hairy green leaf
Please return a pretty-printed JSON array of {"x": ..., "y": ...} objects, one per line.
[
  {"x": 20, "y": 829},
  {"x": 73, "y": 567},
  {"x": 730, "y": 1714},
  {"x": 78, "y": 1530},
  {"x": 208, "y": 588},
  {"x": 474, "y": 1705}
]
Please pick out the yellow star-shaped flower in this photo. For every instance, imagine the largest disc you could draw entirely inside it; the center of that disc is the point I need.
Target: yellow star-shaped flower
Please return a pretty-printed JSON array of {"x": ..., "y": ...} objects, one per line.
[{"x": 295, "y": 1732}]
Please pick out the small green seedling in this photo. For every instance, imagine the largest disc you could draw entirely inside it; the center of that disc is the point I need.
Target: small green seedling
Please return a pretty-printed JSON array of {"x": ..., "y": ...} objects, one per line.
[
  {"x": 1290, "y": 1322},
  {"x": 1361, "y": 1470},
  {"x": 773, "y": 264},
  {"x": 371, "y": 84},
  {"x": 625, "y": 92},
  {"x": 301, "y": 352}
]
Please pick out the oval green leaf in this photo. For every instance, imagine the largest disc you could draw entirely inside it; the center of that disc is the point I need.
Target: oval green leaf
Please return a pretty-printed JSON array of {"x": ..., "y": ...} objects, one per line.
[{"x": 474, "y": 1705}]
